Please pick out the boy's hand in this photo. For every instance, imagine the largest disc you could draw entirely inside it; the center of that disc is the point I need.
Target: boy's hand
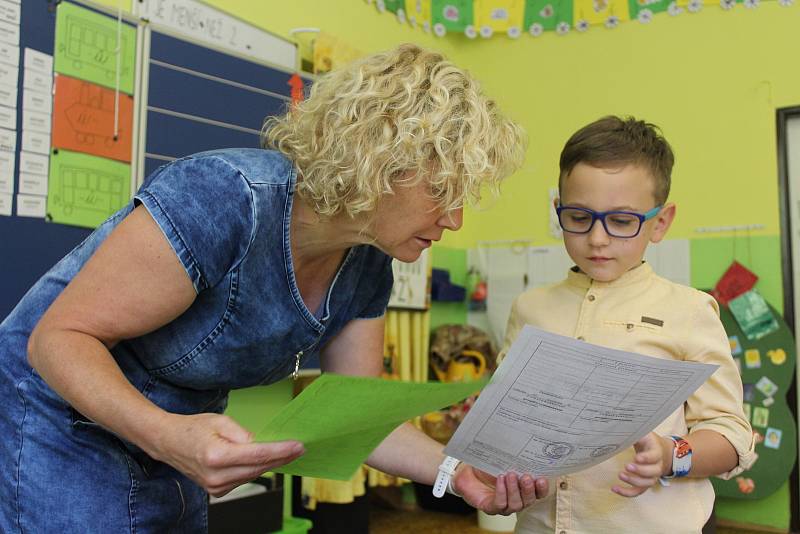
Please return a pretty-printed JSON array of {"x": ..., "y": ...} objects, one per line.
[{"x": 653, "y": 459}]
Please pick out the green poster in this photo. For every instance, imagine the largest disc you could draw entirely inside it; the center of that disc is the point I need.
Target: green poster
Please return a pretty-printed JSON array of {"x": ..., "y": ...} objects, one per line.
[
  {"x": 86, "y": 44},
  {"x": 452, "y": 15},
  {"x": 85, "y": 190},
  {"x": 753, "y": 315},
  {"x": 341, "y": 419},
  {"x": 545, "y": 15}
]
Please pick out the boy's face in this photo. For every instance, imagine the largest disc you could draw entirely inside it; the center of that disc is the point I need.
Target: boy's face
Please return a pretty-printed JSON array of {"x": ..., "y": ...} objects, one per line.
[{"x": 628, "y": 188}]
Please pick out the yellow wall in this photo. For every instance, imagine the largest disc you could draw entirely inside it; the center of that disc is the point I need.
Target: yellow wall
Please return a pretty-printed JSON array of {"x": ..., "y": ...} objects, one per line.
[{"x": 711, "y": 80}]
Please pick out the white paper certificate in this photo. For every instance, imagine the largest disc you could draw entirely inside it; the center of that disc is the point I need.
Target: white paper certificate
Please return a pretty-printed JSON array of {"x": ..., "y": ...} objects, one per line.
[{"x": 557, "y": 405}]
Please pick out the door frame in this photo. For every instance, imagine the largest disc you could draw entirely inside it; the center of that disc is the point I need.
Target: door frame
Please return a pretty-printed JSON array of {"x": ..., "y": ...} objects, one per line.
[{"x": 783, "y": 115}]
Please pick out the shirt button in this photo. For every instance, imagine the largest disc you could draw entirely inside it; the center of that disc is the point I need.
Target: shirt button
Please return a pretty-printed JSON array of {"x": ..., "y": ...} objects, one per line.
[
  {"x": 581, "y": 338},
  {"x": 629, "y": 326},
  {"x": 563, "y": 485},
  {"x": 591, "y": 298},
  {"x": 562, "y": 532}
]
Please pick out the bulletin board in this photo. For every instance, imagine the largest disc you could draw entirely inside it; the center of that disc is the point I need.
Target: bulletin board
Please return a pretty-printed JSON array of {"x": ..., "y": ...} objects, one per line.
[
  {"x": 202, "y": 99},
  {"x": 767, "y": 367},
  {"x": 168, "y": 95},
  {"x": 30, "y": 245}
]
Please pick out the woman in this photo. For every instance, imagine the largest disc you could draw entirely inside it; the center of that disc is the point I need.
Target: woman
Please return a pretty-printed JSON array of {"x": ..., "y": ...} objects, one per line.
[{"x": 227, "y": 270}]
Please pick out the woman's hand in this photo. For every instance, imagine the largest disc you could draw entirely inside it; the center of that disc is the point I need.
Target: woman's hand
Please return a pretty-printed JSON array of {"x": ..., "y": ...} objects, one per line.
[
  {"x": 218, "y": 453},
  {"x": 504, "y": 494},
  {"x": 652, "y": 460}
]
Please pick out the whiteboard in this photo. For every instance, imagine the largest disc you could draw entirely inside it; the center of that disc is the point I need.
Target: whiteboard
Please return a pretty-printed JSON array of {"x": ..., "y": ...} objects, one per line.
[{"x": 207, "y": 25}]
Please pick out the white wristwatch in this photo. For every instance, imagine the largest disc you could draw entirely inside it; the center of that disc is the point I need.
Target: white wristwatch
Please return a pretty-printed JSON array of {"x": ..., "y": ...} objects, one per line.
[{"x": 444, "y": 480}]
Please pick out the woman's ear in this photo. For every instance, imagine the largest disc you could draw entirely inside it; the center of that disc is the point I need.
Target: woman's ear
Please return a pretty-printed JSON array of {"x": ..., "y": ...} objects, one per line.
[{"x": 662, "y": 222}]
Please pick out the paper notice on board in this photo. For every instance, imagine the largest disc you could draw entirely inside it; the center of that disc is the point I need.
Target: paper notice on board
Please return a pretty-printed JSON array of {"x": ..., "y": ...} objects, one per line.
[
  {"x": 33, "y": 80},
  {"x": 41, "y": 102},
  {"x": 9, "y": 75},
  {"x": 35, "y": 121},
  {"x": 10, "y": 12},
  {"x": 5, "y": 204},
  {"x": 9, "y": 33},
  {"x": 32, "y": 184},
  {"x": 38, "y": 61},
  {"x": 6, "y": 182},
  {"x": 31, "y": 206},
  {"x": 35, "y": 142},
  {"x": 8, "y": 118},
  {"x": 8, "y": 140},
  {"x": 9, "y": 54},
  {"x": 8, "y": 96},
  {"x": 557, "y": 405}
]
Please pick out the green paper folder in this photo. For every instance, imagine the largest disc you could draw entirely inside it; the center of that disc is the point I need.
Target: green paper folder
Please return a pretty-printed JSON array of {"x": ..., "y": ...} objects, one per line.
[{"x": 341, "y": 419}]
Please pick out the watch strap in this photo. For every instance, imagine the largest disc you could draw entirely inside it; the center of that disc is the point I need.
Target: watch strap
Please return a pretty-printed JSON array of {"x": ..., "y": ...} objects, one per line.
[
  {"x": 444, "y": 478},
  {"x": 681, "y": 460}
]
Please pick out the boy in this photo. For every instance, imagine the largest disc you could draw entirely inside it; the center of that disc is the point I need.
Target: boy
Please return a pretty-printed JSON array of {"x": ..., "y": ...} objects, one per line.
[{"x": 613, "y": 187}]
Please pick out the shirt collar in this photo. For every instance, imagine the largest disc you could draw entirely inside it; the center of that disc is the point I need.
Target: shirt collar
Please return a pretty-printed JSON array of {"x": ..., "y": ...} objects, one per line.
[{"x": 577, "y": 278}]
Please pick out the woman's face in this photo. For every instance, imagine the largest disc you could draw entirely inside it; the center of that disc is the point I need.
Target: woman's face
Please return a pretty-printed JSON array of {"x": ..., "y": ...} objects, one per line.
[{"x": 408, "y": 221}]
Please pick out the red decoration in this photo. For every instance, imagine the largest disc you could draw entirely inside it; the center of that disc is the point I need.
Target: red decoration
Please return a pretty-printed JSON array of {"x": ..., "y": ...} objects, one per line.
[
  {"x": 296, "y": 83},
  {"x": 737, "y": 279}
]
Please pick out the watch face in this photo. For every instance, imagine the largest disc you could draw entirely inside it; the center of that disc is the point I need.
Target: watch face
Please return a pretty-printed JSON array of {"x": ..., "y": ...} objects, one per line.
[{"x": 682, "y": 448}]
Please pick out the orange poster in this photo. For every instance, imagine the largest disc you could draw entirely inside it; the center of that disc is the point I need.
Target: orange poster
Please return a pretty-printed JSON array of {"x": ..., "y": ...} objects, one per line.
[{"x": 83, "y": 119}]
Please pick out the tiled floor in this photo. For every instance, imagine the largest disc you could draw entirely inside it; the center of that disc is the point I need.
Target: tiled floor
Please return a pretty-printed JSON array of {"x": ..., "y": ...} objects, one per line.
[
  {"x": 396, "y": 511},
  {"x": 386, "y": 521}
]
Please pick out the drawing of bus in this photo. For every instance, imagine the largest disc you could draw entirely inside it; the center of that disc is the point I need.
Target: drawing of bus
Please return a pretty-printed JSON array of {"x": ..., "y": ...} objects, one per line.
[
  {"x": 90, "y": 190},
  {"x": 93, "y": 45},
  {"x": 92, "y": 117}
]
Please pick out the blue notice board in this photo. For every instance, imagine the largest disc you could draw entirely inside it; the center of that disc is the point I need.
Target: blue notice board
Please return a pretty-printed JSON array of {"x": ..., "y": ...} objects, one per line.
[
  {"x": 29, "y": 246},
  {"x": 202, "y": 99},
  {"x": 197, "y": 99}
]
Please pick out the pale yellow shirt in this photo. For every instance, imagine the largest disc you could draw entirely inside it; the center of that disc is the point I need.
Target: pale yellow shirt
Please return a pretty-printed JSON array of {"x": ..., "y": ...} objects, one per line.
[{"x": 644, "y": 313}]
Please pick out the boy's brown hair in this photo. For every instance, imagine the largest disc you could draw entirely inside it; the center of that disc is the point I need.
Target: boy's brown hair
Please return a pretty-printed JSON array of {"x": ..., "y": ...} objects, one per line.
[{"x": 621, "y": 141}]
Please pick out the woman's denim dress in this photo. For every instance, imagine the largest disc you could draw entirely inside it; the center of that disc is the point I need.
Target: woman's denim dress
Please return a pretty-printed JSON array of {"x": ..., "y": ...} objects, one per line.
[{"x": 226, "y": 214}]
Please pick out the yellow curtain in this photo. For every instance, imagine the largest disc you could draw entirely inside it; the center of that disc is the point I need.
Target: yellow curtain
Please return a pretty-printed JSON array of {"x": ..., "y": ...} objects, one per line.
[{"x": 406, "y": 343}]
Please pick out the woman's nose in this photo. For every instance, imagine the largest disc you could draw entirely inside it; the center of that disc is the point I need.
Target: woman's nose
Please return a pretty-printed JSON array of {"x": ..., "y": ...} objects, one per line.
[{"x": 452, "y": 219}]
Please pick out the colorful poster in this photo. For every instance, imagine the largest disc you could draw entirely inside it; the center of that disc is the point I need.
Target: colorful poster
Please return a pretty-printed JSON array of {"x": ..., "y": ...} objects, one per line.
[
  {"x": 85, "y": 190},
  {"x": 418, "y": 13},
  {"x": 593, "y": 12},
  {"x": 83, "y": 119},
  {"x": 643, "y": 9},
  {"x": 390, "y": 5},
  {"x": 452, "y": 16},
  {"x": 546, "y": 15},
  {"x": 86, "y": 44},
  {"x": 499, "y": 16}
]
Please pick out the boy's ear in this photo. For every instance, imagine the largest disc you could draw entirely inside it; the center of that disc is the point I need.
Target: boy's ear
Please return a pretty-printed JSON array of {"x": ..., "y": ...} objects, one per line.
[{"x": 662, "y": 222}]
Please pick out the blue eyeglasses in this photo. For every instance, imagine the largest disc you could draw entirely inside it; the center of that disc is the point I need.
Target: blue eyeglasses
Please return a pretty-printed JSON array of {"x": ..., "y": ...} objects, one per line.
[{"x": 624, "y": 224}]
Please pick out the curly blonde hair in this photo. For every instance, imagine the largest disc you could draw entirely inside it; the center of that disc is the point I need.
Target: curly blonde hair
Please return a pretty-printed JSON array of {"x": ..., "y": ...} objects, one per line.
[{"x": 407, "y": 109}]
